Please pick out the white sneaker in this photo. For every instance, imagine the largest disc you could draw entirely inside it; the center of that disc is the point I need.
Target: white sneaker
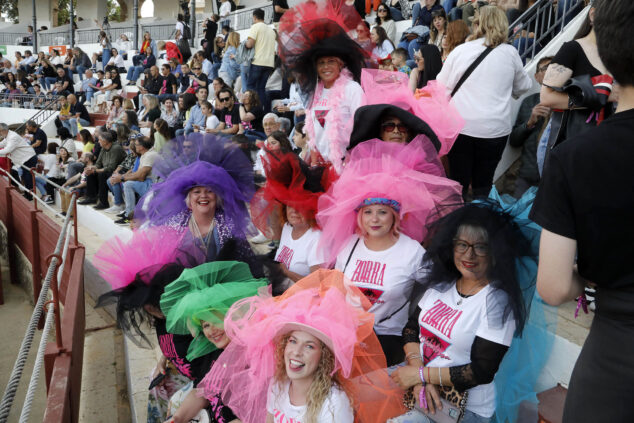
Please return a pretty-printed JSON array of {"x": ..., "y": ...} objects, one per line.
[
  {"x": 115, "y": 209},
  {"x": 259, "y": 239}
]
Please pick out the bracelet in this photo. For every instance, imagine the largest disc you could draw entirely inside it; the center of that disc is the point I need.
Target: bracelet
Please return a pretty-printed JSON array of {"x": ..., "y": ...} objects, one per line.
[
  {"x": 421, "y": 395},
  {"x": 439, "y": 376},
  {"x": 412, "y": 356},
  {"x": 428, "y": 374}
]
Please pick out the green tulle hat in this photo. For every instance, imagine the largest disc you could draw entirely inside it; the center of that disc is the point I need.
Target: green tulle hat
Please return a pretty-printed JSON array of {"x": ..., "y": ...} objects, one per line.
[{"x": 206, "y": 292}]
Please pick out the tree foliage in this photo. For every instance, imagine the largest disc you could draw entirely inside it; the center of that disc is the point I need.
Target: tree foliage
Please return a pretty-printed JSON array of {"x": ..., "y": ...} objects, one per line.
[
  {"x": 63, "y": 11},
  {"x": 10, "y": 7},
  {"x": 114, "y": 11}
]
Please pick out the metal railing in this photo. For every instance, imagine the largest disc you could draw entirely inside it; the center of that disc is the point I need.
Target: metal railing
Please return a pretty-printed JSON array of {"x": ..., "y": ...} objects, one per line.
[
  {"x": 25, "y": 101},
  {"x": 43, "y": 115},
  {"x": 534, "y": 29},
  {"x": 243, "y": 18},
  {"x": 162, "y": 31},
  {"x": 90, "y": 35},
  {"x": 54, "y": 260},
  {"x": 13, "y": 38}
]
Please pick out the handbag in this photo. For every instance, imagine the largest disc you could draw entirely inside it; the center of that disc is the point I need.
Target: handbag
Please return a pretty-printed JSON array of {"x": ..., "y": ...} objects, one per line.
[{"x": 453, "y": 402}]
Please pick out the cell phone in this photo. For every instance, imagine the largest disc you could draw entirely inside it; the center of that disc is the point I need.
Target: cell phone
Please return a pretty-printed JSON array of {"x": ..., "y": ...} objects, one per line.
[{"x": 159, "y": 378}]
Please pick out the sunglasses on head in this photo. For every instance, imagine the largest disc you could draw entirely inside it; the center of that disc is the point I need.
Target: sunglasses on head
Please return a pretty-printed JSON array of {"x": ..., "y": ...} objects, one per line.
[
  {"x": 389, "y": 127},
  {"x": 224, "y": 99}
]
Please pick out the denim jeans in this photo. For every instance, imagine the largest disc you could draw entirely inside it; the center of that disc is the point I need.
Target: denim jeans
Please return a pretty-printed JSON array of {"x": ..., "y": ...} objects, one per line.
[
  {"x": 105, "y": 57},
  {"x": 117, "y": 192},
  {"x": 411, "y": 47},
  {"x": 90, "y": 93},
  {"x": 137, "y": 59},
  {"x": 244, "y": 75},
  {"x": 40, "y": 183},
  {"x": 215, "y": 67},
  {"x": 49, "y": 81},
  {"x": 448, "y": 5},
  {"x": 72, "y": 125},
  {"x": 130, "y": 188},
  {"x": 258, "y": 75},
  {"x": 134, "y": 72},
  {"x": 396, "y": 14},
  {"x": 415, "y": 416},
  {"x": 80, "y": 70}
]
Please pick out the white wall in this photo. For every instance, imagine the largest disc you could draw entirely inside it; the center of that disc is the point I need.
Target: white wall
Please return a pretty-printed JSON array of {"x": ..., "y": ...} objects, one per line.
[{"x": 12, "y": 116}]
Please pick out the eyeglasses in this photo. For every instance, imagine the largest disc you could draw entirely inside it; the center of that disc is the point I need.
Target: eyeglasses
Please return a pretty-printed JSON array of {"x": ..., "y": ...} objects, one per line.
[
  {"x": 389, "y": 127},
  {"x": 196, "y": 68},
  {"x": 224, "y": 99},
  {"x": 543, "y": 68},
  {"x": 382, "y": 10},
  {"x": 480, "y": 249}
]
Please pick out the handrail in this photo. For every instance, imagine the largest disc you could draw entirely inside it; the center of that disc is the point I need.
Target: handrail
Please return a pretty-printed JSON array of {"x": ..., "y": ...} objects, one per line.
[
  {"x": 39, "y": 117},
  {"x": 55, "y": 259},
  {"x": 544, "y": 20}
]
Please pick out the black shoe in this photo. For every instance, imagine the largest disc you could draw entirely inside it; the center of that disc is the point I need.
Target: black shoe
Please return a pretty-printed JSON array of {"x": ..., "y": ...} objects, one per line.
[
  {"x": 131, "y": 83},
  {"x": 123, "y": 221},
  {"x": 122, "y": 214},
  {"x": 28, "y": 196},
  {"x": 87, "y": 201},
  {"x": 100, "y": 206}
]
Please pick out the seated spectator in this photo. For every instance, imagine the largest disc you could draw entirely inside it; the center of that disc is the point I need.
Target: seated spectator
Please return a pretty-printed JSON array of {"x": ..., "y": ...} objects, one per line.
[
  {"x": 169, "y": 84},
  {"x": 116, "y": 61},
  {"x": 130, "y": 119},
  {"x": 229, "y": 115},
  {"x": 78, "y": 115},
  {"x": 128, "y": 104},
  {"x": 294, "y": 104},
  {"x": 39, "y": 98},
  {"x": 111, "y": 87},
  {"x": 36, "y": 137},
  {"x": 399, "y": 60},
  {"x": 185, "y": 103},
  {"x": 68, "y": 141},
  {"x": 147, "y": 61},
  {"x": 147, "y": 42},
  {"x": 217, "y": 84},
  {"x": 76, "y": 183},
  {"x": 110, "y": 157},
  {"x": 428, "y": 66},
  {"x": 251, "y": 114},
  {"x": 115, "y": 116},
  {"x": 88, "y": 87},
  {"x": 384, "y": 19},
  {"x": 160, "y": 134},
  {"x": 300, "y": 139},
  {"x": 80, "y": 62},
  {"x": 64, "y": 109},
  {"x": 50, "y": 169},
  {"x": 196, "y": 116},
  {"x": 151, "y": 84},
  {"x": 438, "y": 28},
  {"x": 28, "y": 62},
  {"x": 56, "y": 60},
  {"x": 123, "y": 45},
  {"x": 48, "y": 74},
  {"x": 270, "y": 123},
  {"x": 211, "y": 122},
  {"x": 151, "y": 111},
  {"x": 184, "y": 80},
  {"x": 169, "y": 114},
  {"x": 23, "y": 82},
  {"x": 140, "y": 181},
  {"x": 230, "y": 69},
  {"x": 198, "y": 78},
  {"x": 129, "y": 164}
]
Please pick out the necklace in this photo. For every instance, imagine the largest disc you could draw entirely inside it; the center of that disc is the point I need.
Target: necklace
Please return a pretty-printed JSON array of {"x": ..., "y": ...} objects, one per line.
[{"x": 463, "y": 296}]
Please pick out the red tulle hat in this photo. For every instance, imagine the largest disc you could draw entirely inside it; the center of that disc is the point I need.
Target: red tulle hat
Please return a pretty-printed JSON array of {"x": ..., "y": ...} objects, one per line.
[{"x": 289, "y": 182}]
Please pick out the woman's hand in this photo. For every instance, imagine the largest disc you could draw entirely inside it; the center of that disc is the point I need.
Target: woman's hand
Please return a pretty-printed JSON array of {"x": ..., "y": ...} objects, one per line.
[
  {"x": 432, "y": 396},
  {"x": 161, "y": 368},
  {"x": 406, "y": 376}
]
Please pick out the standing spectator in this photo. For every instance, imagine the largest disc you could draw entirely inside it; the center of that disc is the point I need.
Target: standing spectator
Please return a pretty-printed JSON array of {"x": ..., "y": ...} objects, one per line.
[
  {"x": 78, "y": 114},
  {"x": 457, "y": 33},
  {"x": 196, "y": 117},
  {"x": 384, "y": 19},
  {"x": 105, "y": 44},
  {"x": 20, "y": 152},
  {"x": 36, "y": 136},
  {"x": 210, "y": 29},
  {"x": 528, "y": 125},
  {"x": 140, "y": 181},
  {"x": 279, "y": 7},
  {"x": 179, "y": 28},
  {"x": 225, "y": 10},
  {"x": 230, "y": 69},
  {"x": 584, "y": 206},
  {"x": 484, "y": 100},
  {"x": 422, "y": 12},
  {"x": 110, "y": 157},
  {"x": 229, "y": 115},
  {"x": 262, "y": 39}
]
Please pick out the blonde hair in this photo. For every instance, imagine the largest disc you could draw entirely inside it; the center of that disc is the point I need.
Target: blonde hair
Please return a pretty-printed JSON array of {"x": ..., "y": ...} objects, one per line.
[
  {"x": 233, "y": 40},
  {"x": 492, "y": 24},
  {"x": 396, "y": 226},
  {"x": 322, "y": 380}
]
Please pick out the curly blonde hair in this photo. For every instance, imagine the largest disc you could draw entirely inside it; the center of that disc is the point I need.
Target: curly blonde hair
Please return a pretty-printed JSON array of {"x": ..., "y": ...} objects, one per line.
[
  {"x": 492, "y": 24},
  {"x": 322, "y": 381}
]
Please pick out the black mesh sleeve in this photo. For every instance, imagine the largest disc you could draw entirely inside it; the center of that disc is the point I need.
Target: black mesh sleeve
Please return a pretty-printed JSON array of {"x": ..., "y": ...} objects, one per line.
[
  {"x": 410, "y": 331},
  {"x": 486, "y": 357}
]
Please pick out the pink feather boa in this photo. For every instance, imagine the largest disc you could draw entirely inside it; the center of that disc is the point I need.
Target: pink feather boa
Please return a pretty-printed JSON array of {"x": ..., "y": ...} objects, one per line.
[{"x": 337, "y": 130}]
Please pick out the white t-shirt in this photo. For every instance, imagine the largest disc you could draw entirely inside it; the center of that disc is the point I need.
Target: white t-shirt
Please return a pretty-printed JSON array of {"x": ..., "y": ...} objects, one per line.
[
  {"x": 386, "y": 278},
  {"x": 447, "y": 332},
  {"x": 383, "y": 50},
  {"x": 336, "y": 408},
  {"x": 225, "y": 9},
  {"x": 51, "y": 165},
  {"x": 484, "y": 100},
  {"x": 212, "y": 122},
  {"x": 179, "y": 27},
  {"x": 299, "y": 254},
  {"x": 321, "y": 106}
]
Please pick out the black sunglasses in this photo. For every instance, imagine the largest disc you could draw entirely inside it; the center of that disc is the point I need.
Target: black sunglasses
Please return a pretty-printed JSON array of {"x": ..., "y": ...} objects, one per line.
[
  {"x": 223, "y": 99},
  {"x": 389, "y": 127},
  {"x": 196, "y": 68}
]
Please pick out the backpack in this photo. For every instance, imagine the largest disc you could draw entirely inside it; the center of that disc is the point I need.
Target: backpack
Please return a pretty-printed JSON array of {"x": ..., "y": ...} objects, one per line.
[
  {"x": 187, "y": 33},
  {"x": 173, "y": 51}
]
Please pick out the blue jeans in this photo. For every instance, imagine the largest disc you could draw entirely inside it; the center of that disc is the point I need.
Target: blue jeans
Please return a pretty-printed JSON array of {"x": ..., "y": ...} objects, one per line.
[
  {"x": 415, "y": 416},
  {"x": 244, "y": 75},
  {"x": 80, "y": 70},
  {"x": 72, "y": 125},
  {"x": 258, "y": 75},
  {"x": 40, "y": 183},
  {"x": 396, "y": 14},
  {"x": 214, "y": 71},
  {"x": 134, "y": 72},
  {"x": 105, "y": 57},
  {"x": 117, "y": 192},
  {"x": 89, "y": 94},
  {"x": 48, "y": 81},
  {"x": 448, "y": 5},
  {"x": 130, "y": 188}
]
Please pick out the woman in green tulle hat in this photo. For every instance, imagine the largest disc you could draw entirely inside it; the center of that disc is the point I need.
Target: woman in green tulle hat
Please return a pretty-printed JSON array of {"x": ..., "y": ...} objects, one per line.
[{"x": 196, "y": 303}]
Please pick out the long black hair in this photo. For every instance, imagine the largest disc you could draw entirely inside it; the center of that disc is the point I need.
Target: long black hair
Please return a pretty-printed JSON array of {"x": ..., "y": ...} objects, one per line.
[{"x": 506, "y": 244}]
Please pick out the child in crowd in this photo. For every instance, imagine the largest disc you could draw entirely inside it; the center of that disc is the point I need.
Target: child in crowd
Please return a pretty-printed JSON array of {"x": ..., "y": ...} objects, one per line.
[
  {"x": 386, "y": 64},
  {"x": 211, "y": 120},
  {"x": 399, "y": 59}
]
